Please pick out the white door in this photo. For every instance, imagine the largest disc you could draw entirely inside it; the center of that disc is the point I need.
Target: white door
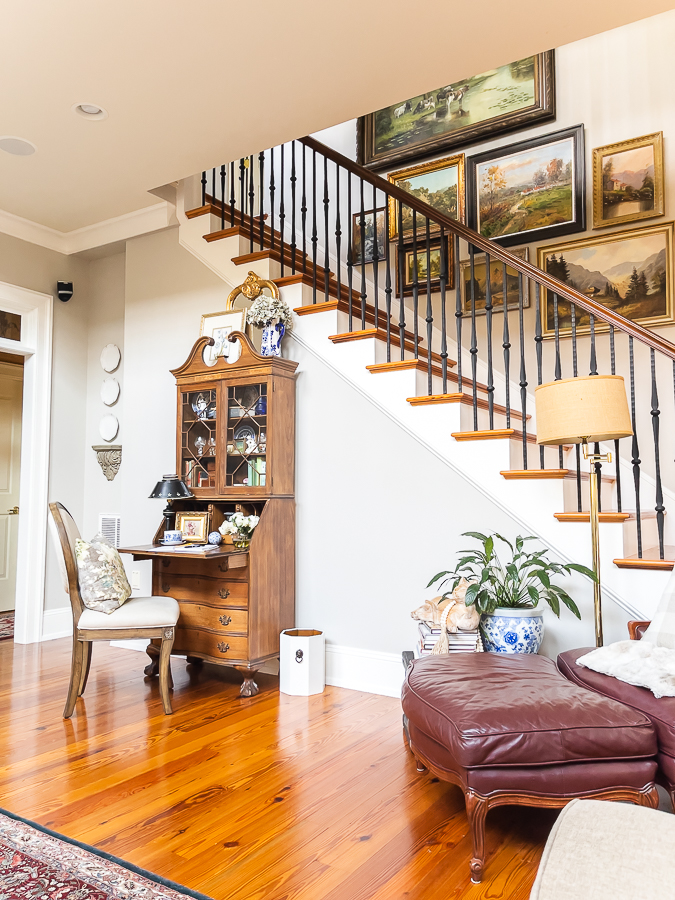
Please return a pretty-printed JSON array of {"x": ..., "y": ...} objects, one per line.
[{"x": 11, "y": 390}]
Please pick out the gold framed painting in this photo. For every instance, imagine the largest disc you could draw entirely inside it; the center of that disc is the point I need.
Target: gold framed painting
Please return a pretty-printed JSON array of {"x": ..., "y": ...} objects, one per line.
[
  {"x": 630, "y": 272},
  {"x": 434, "y": 266},
  {"x": 628, "y": 181},
  {"x": 194, "y": 526},
  {"x": 496, "y": 284},
  {"x": 440, "y": 183},
  {"x": 218, "y": 326}
]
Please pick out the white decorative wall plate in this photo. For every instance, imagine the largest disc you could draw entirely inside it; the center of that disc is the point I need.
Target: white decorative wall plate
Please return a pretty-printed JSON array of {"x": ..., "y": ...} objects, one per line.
[
  {"x": 108, "y": 427},
  {"x": 110, "y": 357},
  {"x": 110, "y": 391}
]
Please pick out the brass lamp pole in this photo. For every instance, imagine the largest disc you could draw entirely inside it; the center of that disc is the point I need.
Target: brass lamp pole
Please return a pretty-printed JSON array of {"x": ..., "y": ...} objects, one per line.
[{"x": 577, "y": 411}]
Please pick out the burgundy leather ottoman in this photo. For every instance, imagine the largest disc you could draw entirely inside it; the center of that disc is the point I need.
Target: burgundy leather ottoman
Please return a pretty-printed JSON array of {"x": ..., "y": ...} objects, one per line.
[
  {"x": 660, "y": 712},
  {"x": 512, "y": 730}
]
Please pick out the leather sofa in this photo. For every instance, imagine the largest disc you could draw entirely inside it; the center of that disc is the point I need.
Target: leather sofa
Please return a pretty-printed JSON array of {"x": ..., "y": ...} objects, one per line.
[
  {"x": 510, "y": 729},
  {"x": 661, "y": 712}
]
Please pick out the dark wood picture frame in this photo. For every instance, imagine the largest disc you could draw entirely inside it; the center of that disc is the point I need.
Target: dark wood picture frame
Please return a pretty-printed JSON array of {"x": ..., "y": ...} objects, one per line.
[
  {"x": 542, "y": 110},
  {"x": 406, "y": 250},
  {"x": 379, "y": 218},
  {"x": 576, "y": 224}
]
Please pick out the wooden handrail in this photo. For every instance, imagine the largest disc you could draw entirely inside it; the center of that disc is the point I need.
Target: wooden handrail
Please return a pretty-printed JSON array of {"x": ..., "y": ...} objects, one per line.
[{"x": 496, "y": 252}]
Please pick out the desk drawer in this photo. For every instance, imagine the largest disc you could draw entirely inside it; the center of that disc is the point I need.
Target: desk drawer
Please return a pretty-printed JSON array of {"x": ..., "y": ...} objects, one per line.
[
  {"x": 211, "y": 568},
  {"x": 225, "y": 647},
  {"x": 211, "y": 591},
  {"x": 221, "y": 620}
]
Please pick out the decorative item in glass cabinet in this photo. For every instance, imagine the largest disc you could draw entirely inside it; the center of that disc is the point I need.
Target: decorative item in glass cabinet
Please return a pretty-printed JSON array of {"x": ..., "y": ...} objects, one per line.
[
  {"x": 203, "y": 407},
  {"x": 212, "y": 446},
  {"x": 261, "y": 406},
  {"x": 200, "y": 443},
  {"x": 262, "y": 442}
]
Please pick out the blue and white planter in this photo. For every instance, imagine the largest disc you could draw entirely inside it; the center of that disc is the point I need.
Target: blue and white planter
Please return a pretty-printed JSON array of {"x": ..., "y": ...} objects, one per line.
[
  {"x": 271, "y": 339},
  {"x": 513, "y": 631}
]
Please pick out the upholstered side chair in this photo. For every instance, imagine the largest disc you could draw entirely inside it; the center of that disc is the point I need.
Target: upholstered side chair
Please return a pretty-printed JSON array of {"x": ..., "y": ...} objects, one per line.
[{"x": 139, "y": 617}]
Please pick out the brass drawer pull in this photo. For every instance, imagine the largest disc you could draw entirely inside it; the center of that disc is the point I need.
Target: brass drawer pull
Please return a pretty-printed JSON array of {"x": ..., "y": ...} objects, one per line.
[
  {"x": 225, "y": 620},
  {"x": 224, "y": 594},
  {"x": 223, "y": 647},
  {"x": 166, "y": 588}
]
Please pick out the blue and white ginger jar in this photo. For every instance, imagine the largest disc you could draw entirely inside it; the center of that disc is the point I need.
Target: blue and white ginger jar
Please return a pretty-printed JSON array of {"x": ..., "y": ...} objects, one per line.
[{"x": 513, "y": 631}]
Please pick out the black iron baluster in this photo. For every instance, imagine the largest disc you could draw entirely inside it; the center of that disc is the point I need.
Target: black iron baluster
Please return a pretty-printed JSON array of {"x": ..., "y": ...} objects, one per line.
[
  {"x": 204, "y": 188},
  {"x": 538, "y": 338},
  {"x": 430, "y": 313},
  {"x": 315, "y": 237},
  {"x": 242, "y": 190},
  {"x": 558, "y": 369},
  {"x": 617, "y": 458},
  {"x": 294, "y": 179},
  {"x": 444, "y": 322},
  {"x": 594, "y": 359},
  {"x": 459, "y": 301},
  {"x": 575, "y": 372},
  {"x": 400, "y": 249},
  {"x": 415, "y": 289},
  {"x": 233, "y": 195},
  {"x": 376, "y": 261},
  {"x": 261, "y": 197},
  {"x": 635, "y": 451},
  {"x": 338, "y": 232},
  {"x": 656, "y": 412},
  {"x": 326, "y": 249},
  {"x": 272, "y": 190},
  {"x": 488, "y": 337},
  {"x": 251, "y": 197},
  {"x": 213, "y": 185},
  {"x": 387, "y": 287},
  {"x": 506, "y": 343},
  {"x": 362, "y": 236},
  {"x": 222, "y": 198},
  {"x": 523, "y": 370},
  {"x": 350, "y": 252},
  {"x": 474, "y": 343},
  {"x": 282, "y": 210},
  {"x": 303, "y": 212}
]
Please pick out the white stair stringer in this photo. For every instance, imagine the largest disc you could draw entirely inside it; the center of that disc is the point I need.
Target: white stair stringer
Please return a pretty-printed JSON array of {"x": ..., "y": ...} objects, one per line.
[{"x": 531, "y": 503}]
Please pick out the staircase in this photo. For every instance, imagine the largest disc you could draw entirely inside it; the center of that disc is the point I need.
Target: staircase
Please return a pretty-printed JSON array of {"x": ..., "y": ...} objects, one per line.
[{"x": 453, "y": 364}]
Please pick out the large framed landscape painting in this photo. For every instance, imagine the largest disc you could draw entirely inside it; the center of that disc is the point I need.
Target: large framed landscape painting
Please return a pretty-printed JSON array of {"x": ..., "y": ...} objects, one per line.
[
  {"x": 439, "y": 183},
  {"x": 482, "y": 107},
  {"x": 628, "y": 181},
  {"x": 630, "y": 272},
  {"x": 530, "y": 191}
]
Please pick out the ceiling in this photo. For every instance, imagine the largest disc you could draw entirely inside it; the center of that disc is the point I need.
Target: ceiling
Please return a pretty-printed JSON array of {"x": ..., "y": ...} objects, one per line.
[{"x": 192, "y": 85}]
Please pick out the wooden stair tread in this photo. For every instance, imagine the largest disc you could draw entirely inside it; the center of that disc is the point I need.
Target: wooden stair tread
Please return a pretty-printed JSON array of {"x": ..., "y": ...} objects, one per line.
[
  {"x": 650, "y": 560},
  {"x": 463, "y": 398},
  {"x": 494, "y": 434},
  {"x": 611, "y": 516},
  {"x": 380, "y": 334},
  {"x": 569, "y": 474}
]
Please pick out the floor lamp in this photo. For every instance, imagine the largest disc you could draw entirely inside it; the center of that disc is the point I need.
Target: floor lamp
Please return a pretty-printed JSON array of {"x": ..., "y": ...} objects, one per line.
[{"x": 581, "y": 411}]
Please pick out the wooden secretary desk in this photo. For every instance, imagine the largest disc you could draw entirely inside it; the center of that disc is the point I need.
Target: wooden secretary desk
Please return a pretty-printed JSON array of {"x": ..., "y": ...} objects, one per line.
[{"x": 235, "y": 451}]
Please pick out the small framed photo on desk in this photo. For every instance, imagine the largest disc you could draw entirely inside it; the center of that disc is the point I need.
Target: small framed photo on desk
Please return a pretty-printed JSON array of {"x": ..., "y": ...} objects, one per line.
[{"x": 194, "y": 526}]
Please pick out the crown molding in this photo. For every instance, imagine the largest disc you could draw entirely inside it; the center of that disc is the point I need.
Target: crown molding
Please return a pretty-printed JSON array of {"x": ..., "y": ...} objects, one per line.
[{"x": 140, "y": 221}]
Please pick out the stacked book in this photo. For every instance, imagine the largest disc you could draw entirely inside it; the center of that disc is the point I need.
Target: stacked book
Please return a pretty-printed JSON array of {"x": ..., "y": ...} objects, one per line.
[{"x": 465, "y": 641}]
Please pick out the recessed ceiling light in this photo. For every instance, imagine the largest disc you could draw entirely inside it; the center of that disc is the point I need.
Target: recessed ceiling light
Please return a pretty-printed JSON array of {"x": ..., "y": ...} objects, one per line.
[
  {"x": 16, "y": 146},
  {"x": 90, "y": 111}
]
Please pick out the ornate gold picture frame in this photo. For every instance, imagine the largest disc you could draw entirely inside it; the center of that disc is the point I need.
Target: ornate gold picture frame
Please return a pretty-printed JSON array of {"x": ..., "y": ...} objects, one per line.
[
  {"x": 628, "y": 181},
  {"x": 440, "y": 183},
  {"x": 194, "y": 526}
]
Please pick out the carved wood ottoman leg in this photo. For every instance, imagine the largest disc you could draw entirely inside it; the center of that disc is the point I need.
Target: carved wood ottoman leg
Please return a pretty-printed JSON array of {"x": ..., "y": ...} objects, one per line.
[
  {"x": 152, "y": 668},
  {"x": 476, "y": 810}
]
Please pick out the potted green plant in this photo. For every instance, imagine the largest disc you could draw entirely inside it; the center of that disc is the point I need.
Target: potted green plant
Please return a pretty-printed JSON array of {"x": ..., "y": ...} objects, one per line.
[{"x": 508, "y": 595}]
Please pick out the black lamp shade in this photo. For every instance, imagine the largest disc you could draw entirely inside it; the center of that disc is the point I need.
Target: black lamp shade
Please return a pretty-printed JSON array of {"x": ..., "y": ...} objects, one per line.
[{"x": 170, "y": 488}]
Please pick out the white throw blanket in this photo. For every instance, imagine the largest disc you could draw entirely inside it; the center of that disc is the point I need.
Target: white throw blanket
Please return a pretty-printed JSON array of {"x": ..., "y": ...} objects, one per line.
[{"x": 635, "y": 662}]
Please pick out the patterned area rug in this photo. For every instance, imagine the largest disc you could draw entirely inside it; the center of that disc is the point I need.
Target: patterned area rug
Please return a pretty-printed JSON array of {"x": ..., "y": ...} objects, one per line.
[
  {"x": 38, "y": 864},
  {"x": 6, "y": 625}
]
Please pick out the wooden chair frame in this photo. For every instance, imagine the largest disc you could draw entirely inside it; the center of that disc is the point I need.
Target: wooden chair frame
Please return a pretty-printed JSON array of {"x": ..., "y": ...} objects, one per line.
[{"x": 84, "y": 637}]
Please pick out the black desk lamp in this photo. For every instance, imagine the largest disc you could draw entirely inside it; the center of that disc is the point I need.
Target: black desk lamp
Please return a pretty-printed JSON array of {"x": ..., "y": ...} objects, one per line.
[{"x": 170, "y": 488}]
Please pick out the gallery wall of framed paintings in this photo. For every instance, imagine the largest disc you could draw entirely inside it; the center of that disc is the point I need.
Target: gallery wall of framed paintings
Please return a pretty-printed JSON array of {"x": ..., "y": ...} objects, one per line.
[{"x": 540, "y": 157}]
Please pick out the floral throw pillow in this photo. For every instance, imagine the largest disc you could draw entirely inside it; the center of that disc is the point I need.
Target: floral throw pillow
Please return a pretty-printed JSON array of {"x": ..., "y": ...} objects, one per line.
[{"x": 103, "y": 581}]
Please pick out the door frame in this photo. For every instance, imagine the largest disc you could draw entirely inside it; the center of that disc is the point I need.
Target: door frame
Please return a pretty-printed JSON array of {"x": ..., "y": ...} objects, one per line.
[{"x": 35, "y": 346}]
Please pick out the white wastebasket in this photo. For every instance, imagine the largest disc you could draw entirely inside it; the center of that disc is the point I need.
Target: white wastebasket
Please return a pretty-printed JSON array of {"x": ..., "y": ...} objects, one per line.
[{"x": 302, "y": 669}]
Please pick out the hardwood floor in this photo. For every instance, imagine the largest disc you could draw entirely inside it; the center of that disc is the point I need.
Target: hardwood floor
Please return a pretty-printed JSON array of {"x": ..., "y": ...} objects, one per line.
[{"x": 267, "y": 798}]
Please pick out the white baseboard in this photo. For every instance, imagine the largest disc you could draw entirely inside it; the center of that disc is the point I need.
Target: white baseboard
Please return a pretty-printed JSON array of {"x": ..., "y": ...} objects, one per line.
[
  {"x": 139, "y": 645},
  {"x": 57, "y": 623},
  {"x": 364, "y": 670}
]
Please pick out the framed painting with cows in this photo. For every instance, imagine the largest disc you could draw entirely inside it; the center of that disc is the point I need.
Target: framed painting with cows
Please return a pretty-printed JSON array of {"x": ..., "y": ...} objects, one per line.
[{"x": 510, "y": 98}]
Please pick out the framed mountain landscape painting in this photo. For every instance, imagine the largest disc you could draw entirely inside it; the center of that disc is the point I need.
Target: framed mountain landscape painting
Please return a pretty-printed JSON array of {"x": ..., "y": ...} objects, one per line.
[
  {"x": 630, "y": 272},
  {"x": 530, "y": 191},
  {"x": 628, "y": 181},
  {"x": 481, "y": 107}
]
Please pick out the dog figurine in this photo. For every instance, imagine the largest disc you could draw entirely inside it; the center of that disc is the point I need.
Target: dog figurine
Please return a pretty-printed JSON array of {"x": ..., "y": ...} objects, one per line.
[{"x": 459, "y": 618}]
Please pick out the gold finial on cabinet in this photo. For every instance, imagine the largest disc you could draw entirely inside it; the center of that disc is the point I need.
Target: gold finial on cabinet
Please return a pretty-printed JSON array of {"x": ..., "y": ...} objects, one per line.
[{"x": 252, "y": 288}]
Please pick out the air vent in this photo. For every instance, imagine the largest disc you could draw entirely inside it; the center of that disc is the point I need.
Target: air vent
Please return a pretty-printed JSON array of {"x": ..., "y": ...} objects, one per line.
[{"x": 109, "y": 527}]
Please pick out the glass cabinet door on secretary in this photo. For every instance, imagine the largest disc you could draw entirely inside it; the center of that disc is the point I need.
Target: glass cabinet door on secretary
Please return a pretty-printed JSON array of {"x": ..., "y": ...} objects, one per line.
[
  {"x": 246, "y": 435},
  {"x": 198, "y": 437}
]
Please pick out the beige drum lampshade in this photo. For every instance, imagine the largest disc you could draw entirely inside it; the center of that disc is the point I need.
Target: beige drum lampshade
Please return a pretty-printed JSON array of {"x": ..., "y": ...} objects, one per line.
[{"x": 573, "y": 409}]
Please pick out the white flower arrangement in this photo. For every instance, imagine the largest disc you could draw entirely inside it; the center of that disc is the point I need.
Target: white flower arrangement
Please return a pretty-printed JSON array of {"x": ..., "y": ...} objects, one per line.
[
  {"x": 239, "y": 524},
  {"x": 266, "y": 309}
]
